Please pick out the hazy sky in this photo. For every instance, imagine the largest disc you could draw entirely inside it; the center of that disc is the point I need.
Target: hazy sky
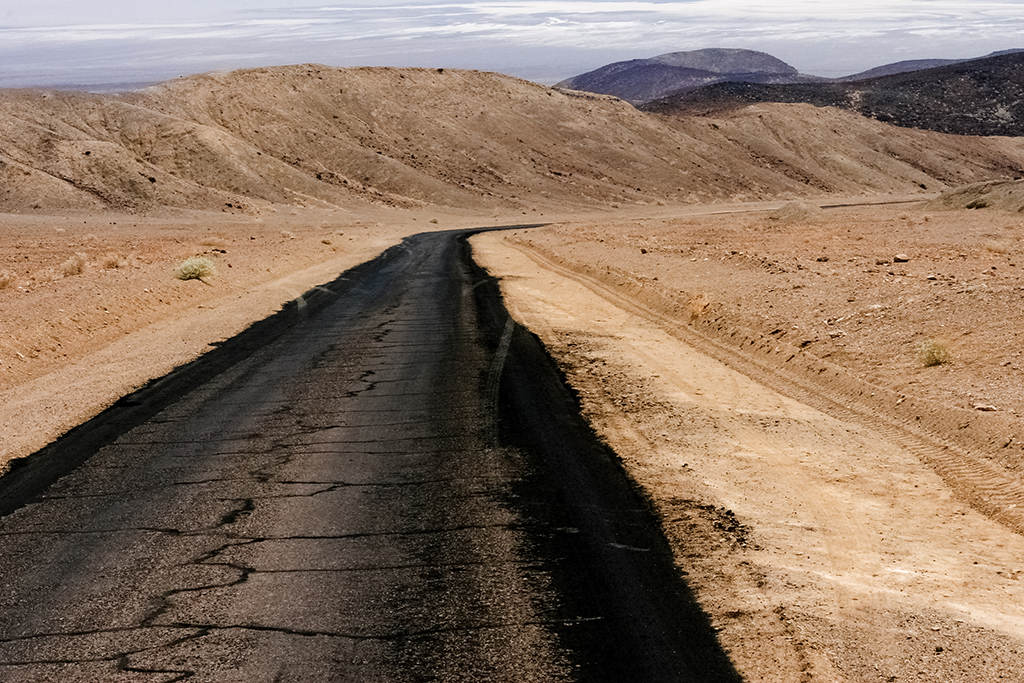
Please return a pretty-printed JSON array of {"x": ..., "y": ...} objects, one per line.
[{"x": 47, "y": 42}]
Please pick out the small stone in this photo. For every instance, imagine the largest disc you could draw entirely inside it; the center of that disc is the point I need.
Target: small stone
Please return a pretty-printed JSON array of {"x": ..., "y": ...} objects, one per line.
[
  {"x": 901, "y": 258},
  {"x": 985, "y": 407}
]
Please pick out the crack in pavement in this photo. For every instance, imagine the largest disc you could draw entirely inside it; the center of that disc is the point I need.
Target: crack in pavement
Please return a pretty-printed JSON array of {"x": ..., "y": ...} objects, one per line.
[{"x": 308, "y": 490}]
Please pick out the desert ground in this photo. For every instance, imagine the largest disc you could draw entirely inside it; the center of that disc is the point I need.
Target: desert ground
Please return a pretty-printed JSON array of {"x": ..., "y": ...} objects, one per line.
[
  {"x": 829, "y": 537},
  {"x": 825, "y": 530},
  {"x": 806, "y": 358}
]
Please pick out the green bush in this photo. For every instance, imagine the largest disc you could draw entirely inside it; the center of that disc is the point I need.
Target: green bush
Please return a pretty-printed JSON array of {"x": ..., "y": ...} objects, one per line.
[{"x": 195, "y": 268}]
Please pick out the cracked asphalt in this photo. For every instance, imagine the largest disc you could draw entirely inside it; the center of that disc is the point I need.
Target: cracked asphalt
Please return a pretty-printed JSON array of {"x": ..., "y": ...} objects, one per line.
[{"x": 388, "y": 481}]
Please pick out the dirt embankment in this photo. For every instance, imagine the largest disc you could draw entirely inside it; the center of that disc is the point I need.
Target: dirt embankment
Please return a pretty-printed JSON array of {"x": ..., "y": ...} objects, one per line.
[{"x": 857, "y": 521}]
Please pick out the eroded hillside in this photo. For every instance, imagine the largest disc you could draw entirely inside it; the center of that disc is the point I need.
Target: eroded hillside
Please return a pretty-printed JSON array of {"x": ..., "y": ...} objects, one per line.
[{"x": 320, "y": 137}]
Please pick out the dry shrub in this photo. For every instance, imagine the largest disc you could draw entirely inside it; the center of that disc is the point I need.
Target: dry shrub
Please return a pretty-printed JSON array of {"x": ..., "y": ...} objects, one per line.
[
  {"x": 114, "y": 260},
  {"x": 796, "y": 212},
  {"x": 74, "y": 265},
  {"x": 697, "y": 306},
  {"x": 7, "y": 279},
  {"x": 195, "y": 268},
  {"x": 933, "y": 352},
  {"x": 998, "y": 246}
]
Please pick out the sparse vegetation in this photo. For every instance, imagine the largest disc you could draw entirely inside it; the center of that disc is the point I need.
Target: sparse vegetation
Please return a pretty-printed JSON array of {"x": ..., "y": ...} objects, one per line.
[
  {"x": 7, "y": 279},
  {"x": 195, "y": 268},
  {"x": 998, "y": 246},
  {"x": 933, "y": 352},
  {"x": 697, "y": 305},
  {"x": 74, "y": 265},
  {"x": 113, "y": 261}
]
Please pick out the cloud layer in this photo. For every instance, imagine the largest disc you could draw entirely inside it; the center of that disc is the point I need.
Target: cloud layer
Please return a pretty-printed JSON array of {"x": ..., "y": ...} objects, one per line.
[{"x": 536, "y": 39}]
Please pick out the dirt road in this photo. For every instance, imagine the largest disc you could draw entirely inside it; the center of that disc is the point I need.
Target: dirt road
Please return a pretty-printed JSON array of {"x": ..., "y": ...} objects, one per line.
[{"x": 821, "y": 549}]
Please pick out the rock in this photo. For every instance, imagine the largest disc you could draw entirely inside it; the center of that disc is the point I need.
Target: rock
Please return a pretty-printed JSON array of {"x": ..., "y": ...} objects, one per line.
[
  {"x": 900, "y": 258},
  {"x": 985, "y": 407}
]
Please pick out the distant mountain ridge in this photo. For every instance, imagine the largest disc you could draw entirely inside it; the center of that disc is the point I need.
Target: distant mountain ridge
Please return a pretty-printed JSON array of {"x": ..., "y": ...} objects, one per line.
[
  {"x": 642, "y": 80},
  {"x": 975, "y": 97},
  {"x": 916, "y": 65}
]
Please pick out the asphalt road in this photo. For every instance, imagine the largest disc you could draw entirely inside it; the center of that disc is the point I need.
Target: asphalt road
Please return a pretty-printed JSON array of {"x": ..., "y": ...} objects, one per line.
[{"x": 387, "y": 481}]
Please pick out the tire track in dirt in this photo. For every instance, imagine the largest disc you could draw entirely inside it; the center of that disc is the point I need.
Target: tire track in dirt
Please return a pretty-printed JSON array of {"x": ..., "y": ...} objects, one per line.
[
  {"x": 983, "y": 485},
  {"x": 806, "y": 534},
  {"x": 849, "y": 547}
]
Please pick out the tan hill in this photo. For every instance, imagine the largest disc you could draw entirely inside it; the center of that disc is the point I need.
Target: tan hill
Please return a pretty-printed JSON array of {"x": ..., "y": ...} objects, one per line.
[
  {"x": 803, "y": 150},
  {"x": 315, "y": 136},
  {"x": 1003, "y": 195}
]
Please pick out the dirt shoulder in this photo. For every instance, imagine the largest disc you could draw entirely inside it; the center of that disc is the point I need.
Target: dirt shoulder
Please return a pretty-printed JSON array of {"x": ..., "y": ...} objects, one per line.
[{"x": 824, "y": 545}]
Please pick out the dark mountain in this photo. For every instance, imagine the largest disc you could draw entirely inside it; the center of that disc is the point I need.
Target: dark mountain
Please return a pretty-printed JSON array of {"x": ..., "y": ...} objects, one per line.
[
  {"x": 727, "y": 61},
  {"x": 977, "y": 97},
  {"x": 900, "y": 68},
  {"x": 643, "y": 80},
  {"x": 915, "y": 65}
]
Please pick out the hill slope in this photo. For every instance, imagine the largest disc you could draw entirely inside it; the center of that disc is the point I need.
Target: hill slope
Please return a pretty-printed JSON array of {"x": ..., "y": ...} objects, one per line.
[
  {"x": 317, "y": 136},
  {"x": 909, "y": 65},
  {"x": 1004, "y": 195},
  {"x": 977, "y": 97}
]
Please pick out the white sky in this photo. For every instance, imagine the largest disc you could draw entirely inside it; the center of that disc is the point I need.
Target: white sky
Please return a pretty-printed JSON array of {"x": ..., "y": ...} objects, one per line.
[{"x": 60, "y": 42}]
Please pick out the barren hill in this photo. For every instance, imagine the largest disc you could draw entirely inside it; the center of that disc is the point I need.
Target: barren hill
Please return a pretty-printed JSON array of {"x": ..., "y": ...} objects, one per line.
[
  {"x": 977, "y": 97},
  {"x": 318, "y": 136}
]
